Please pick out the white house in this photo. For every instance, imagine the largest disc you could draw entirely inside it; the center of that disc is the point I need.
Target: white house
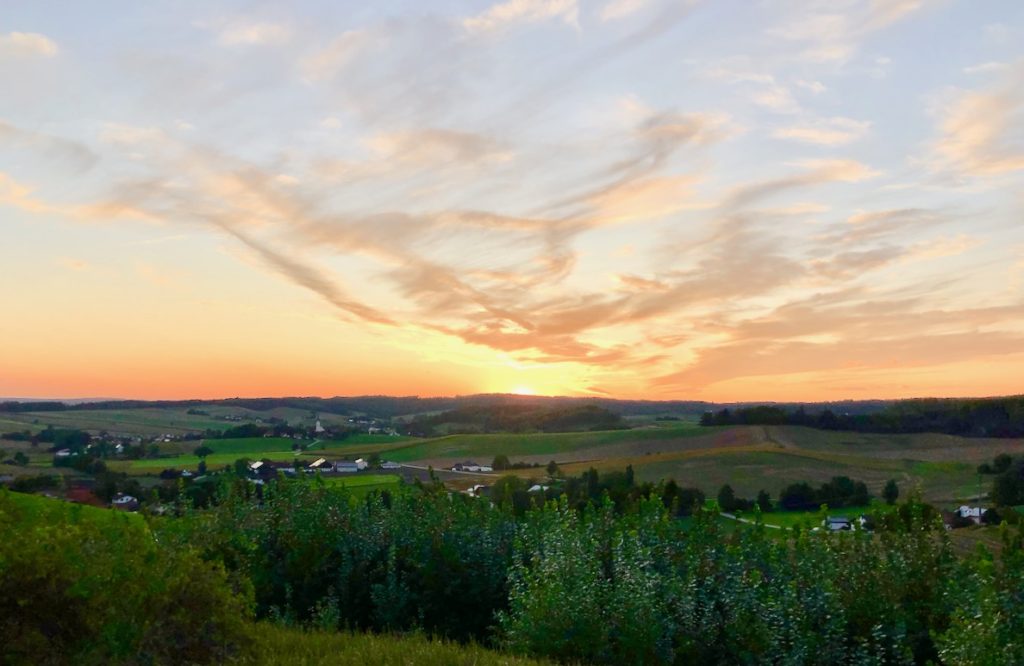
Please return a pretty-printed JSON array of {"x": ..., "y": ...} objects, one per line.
[
  {"x": 63, "y": 453},
  {"x": 537, "y": 488},
  {"x": 346, "y": 466},
  {"x": 389, "y": 464},
  {"x": 974, "y": 513},
  {"x": 125, "y": 502},
  {"x": 361, "y": 463},
  {"x": 838, "y": 524},
  {"x": 318, "y": 429}
]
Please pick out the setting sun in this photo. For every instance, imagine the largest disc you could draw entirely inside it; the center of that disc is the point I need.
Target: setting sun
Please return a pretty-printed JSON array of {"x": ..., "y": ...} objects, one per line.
[{"x": 523, "y": 390}]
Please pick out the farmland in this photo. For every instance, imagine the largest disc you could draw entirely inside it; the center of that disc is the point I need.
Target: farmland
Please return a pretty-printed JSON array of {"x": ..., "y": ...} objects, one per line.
[{"x": 750, "y": 458}]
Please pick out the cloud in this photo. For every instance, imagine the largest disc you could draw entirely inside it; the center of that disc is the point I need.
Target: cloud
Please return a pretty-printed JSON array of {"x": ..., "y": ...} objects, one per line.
[
  {"x": 57, "y": 150},
  {"x": 330, "y": 60},
  {"x": 828, "y": 132},
  {"x": 27, "y": 44},
  {"x": 620, "y": 9},
  {"x": 514, "y": 12},
  {"x": 425, "y": 146},
  {"x": 981, "y": 132},
  {"x": 254, "y": 34},
  {"x": 814, "y": 172},
  {"x": 986, "y": 68},
  {"x": 835, "y": 33}
]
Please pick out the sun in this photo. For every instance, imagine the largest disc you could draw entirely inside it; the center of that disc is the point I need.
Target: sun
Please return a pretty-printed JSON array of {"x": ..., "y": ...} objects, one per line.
[{"x": 523, "y": 390}]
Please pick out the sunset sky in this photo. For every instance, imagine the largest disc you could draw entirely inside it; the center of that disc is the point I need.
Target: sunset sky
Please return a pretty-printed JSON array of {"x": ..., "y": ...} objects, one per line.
[{"x": 720, "y": 200}]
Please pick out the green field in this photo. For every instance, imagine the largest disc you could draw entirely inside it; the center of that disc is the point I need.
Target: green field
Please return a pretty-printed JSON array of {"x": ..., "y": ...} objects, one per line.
[
  {"x": 45, "y": 510},
  {"x": 251, "y": 446},
  {"x": 188, "y": 461},
  {"x": 279, "y": 645},
  {"x": 360, "y": 484},
  {"x": 143, "y": 421},
  {"x": 485, "y": 447}
]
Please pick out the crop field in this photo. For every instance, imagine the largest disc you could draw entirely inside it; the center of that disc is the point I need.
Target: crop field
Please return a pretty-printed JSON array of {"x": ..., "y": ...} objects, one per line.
[
  {"x": 145, "y": 421},
  {"x": 248, "y": 447},
  {"x": 189, "y": 461},
  {"x": 485, "y": 447},
  {"x": 362, "y": 480}
]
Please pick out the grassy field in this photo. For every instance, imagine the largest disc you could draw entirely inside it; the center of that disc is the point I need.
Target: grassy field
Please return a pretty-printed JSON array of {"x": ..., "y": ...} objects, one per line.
[
  {"x": 252, "y": 446},
  {"x": 40, "y": 509},
  {"x": 190, "y": 461},
  {"x": 144, "y": 421},
  {"x": 485, "y": 447},
  {"x": 360, "y": 484},
  {"x": 279, "y": 645}
]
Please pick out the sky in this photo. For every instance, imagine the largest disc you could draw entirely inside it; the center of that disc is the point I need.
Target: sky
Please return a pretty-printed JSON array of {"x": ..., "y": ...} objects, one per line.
[{"x": 725, "y": 200}]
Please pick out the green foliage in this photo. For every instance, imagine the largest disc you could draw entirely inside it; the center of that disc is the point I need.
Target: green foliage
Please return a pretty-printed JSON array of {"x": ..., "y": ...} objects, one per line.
[
  {"x": 276, "y": 644},
  {"x": 891, "y": 492},
  {"x": 76, "y": 589}
]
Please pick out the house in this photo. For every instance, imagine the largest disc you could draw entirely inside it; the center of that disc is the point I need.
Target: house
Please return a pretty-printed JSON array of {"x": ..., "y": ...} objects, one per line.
[
  {"x": 537, "y": 488},
  {"x": 389, "y": 464},
  {"x": 185, "y": 474},
  {"x": 972, "y": 513},
  {"x": 361, "y": 463},
  {"x": 118, "y": 449},
  {"x": 318, "y": 429},
  {"x": 470, "y": 466},
  {"x": 255, "y": 466},
  {"x": 320, "y": 465},
  {"x": 63, "y": 453},
  {"x": 346, "y": 466},
  {"x": 125, "y": 502},
  {"x": 838, "y": 524},
  {"x": 479, "y": 491}
]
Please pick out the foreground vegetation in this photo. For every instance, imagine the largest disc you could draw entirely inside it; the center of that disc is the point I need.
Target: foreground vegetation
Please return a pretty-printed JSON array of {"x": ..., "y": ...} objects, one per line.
[{"x": 594, "y": 584}]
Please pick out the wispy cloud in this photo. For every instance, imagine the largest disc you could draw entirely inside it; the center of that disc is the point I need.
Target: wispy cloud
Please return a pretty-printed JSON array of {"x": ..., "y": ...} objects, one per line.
[
  {"x": 512, "y": 12},
  {"x": 826, "y": 132},
  {"x": 26, "y": 44},
  {"x": 980, "y": 131}
]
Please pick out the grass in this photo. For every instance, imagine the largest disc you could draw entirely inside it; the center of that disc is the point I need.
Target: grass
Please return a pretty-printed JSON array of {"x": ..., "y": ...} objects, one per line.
[
  {"x": 485, "y": 447},
  {"x": 150, "y": 420},
  {"x": 280, "y": 645},
  {"x": 37, "y": 509},
  {"x": 251, "y": 446},
  {"x": 361, "y": 484},
  {"x": 190, "y": 461}
]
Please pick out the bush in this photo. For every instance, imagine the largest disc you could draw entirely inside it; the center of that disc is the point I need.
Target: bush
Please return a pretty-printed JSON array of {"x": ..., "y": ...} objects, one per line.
[{"x": 93, "y": 587}]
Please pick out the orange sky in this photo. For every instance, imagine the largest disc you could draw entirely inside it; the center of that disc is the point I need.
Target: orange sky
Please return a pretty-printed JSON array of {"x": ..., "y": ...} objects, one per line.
[{"x": 643, "y": 199}]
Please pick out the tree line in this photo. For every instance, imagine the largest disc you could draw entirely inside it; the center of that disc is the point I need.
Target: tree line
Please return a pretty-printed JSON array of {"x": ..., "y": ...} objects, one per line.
[{"x": 980, "y": 417}]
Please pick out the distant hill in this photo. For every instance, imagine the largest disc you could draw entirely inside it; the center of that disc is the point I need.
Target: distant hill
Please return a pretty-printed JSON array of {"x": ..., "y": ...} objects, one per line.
[{"x": 382, "y": 406}]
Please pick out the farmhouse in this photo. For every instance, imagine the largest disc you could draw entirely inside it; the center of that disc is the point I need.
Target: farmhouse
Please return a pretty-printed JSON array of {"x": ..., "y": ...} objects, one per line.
[
  {"x": 63, "y": 453},
  {"x": 125, "y": 502},
  {"x": 470, "y": 466},
  {"x": 537, "y": 488},
  {"x": 320, "y": 465},
  {"x": 361, "y": 463},
  {"x": 838, "y": 524},
  {"x": 346, "y": 466},
  {"x": 973, "y": 513},
  {"x": 389, "y": 464}
]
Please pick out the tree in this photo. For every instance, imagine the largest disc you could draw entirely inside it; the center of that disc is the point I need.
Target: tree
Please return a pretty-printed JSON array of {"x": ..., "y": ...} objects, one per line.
[
  {"x": 20, "y": 458},
  {"x": 726, "y": 498},
  {"x": 202, "y": 467},
  {"x": 203, "y": 451},
  {"x": 764, "y": 501},
  {"x": 891, "y": 491},
  {"x": 1001, "y": 463},
  {"x": 501, "y": 462},
  {"x": 552, "y": 469},
  {"x": 630, "y": 476}
]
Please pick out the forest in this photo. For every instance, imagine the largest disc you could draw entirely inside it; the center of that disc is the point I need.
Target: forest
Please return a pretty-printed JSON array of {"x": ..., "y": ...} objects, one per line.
[
  {"x": 594, "y": 582},
  {"x": 976, "y": 417}
]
